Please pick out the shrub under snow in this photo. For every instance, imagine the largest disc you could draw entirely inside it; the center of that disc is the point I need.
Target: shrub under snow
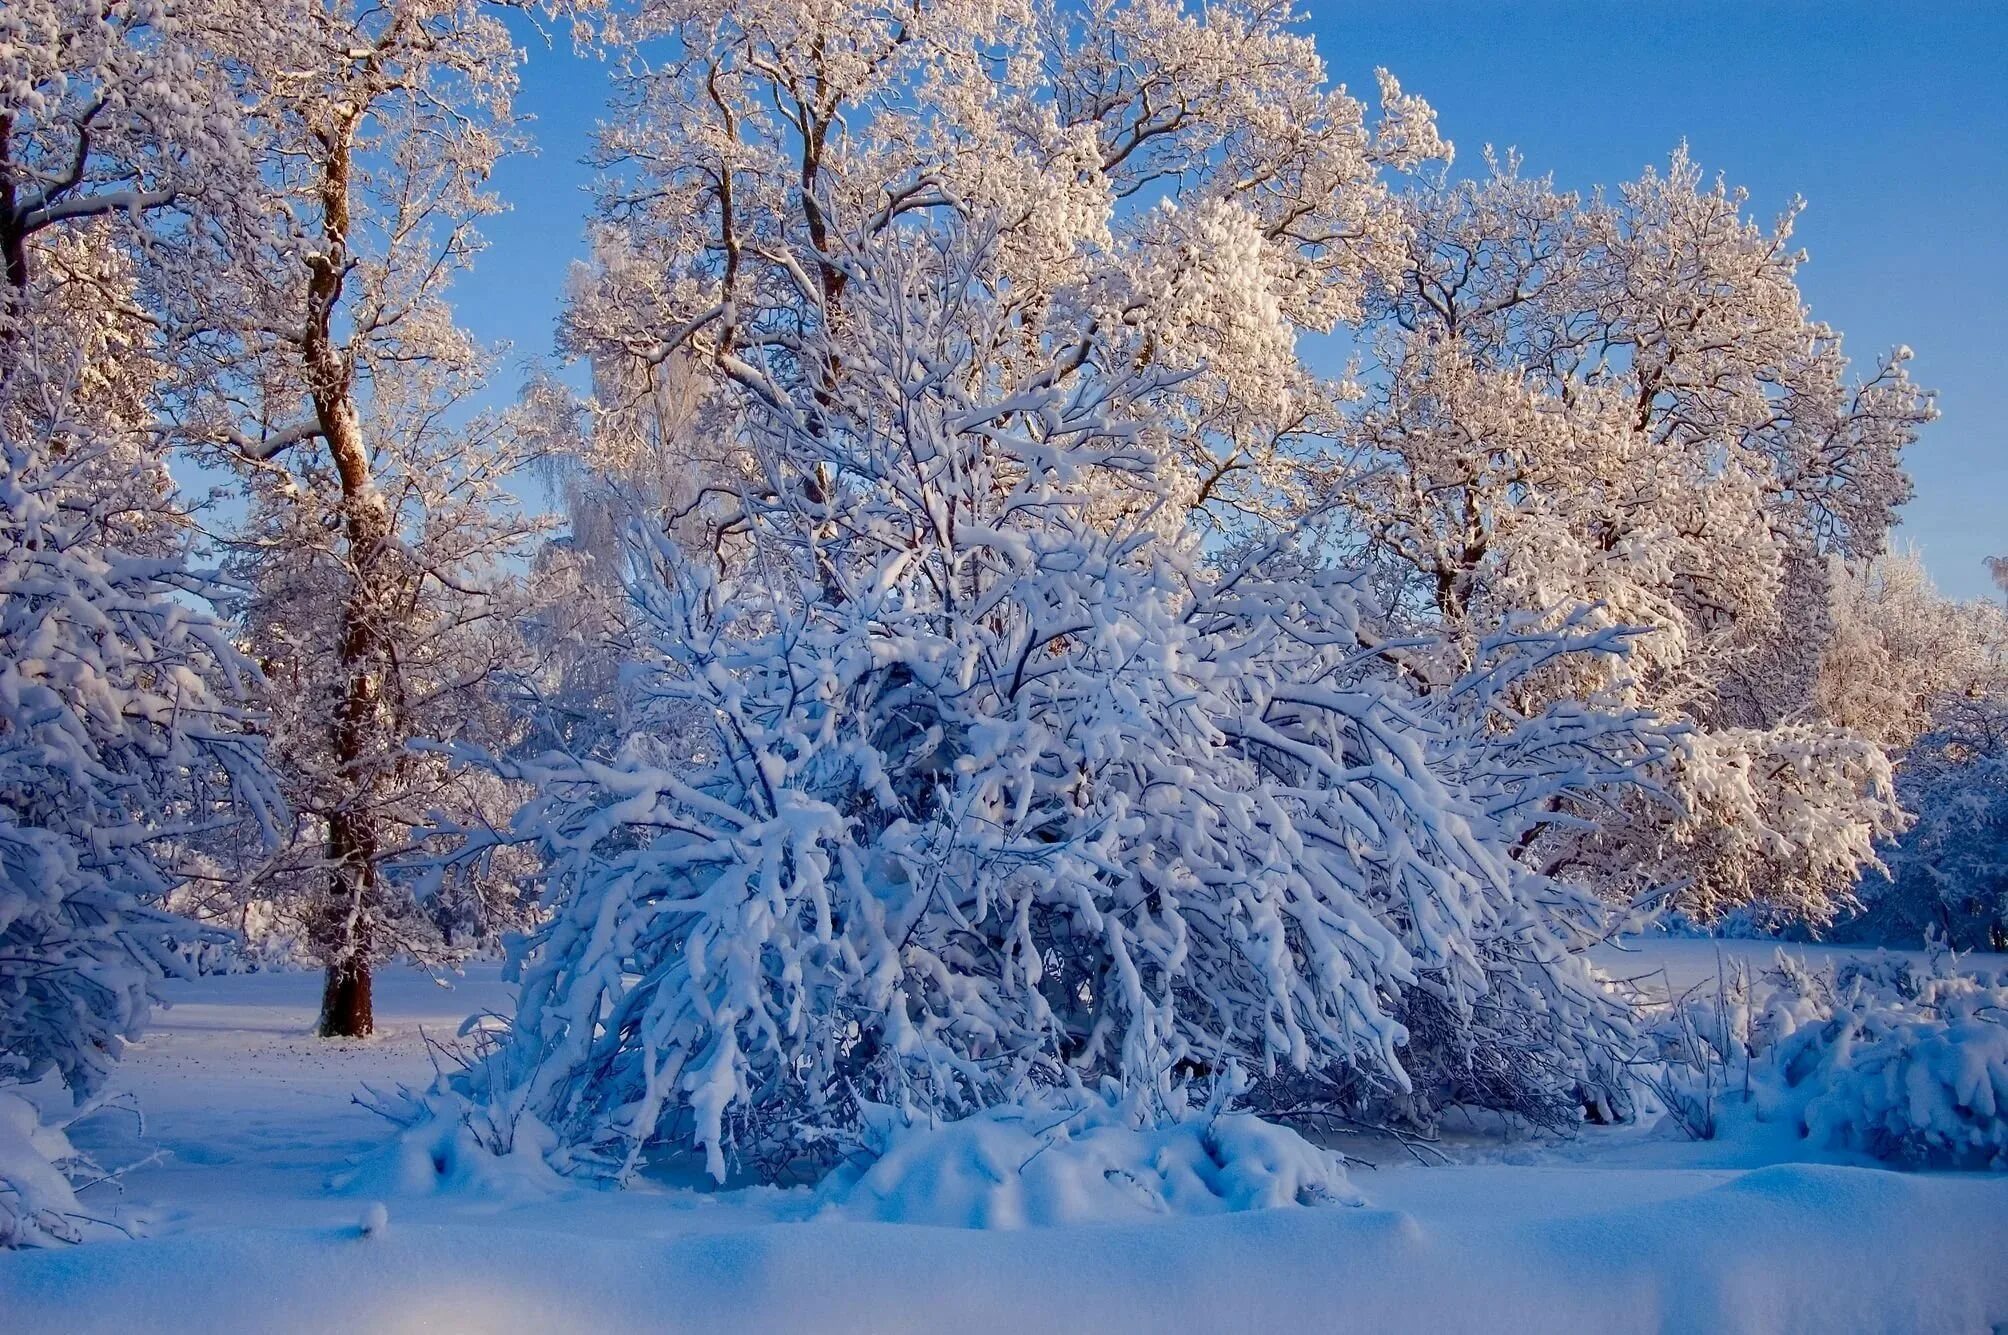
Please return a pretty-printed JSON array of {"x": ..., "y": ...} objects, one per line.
[
  {"x": 1911, "y": 1068},
  {"x": 977, "y": 781},
  {"x": 1083, "y": 1160},
  {"x": 1948, "y": 874},
  {"x": 1905, "y": 1063},
  {"x": 38, "y": 1165}
]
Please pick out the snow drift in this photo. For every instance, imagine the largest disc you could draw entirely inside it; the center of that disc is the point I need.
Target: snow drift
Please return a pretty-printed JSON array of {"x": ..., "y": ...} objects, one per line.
[{"x": 1093, "y": 1162}]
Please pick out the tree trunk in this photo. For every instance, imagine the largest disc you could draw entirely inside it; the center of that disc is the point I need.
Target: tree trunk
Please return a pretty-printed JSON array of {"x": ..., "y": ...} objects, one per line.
[
  {"x": 346, "y": 1005},
  {"x": 13, "y": 237},
  {"x": 347, "y": 936},
  {"x": 343, "y": 931}
]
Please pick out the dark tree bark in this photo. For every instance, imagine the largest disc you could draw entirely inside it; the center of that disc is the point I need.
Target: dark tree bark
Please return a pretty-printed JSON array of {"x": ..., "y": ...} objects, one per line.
[
  {"x": 353, "y": 843},
  {"x": 346, "y": 1004}
]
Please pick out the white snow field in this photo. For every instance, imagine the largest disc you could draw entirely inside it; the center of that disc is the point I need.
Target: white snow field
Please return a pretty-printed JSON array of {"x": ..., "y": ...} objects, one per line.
[{"x": 1624, "y": 1229}]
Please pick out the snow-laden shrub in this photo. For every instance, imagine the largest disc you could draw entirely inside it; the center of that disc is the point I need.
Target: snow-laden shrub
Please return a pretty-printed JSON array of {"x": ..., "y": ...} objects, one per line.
[
  {"x": 1913, "y": 1069},
  {"x": 1078, "y": 1160},
  {"x": 1905, "y": 1063},
  {"x": 39, "y": 1175},
  {"x": 438, "y": 1151},
  {"x": 979, "y": 778},
  {"x": 122, "y": 739}
]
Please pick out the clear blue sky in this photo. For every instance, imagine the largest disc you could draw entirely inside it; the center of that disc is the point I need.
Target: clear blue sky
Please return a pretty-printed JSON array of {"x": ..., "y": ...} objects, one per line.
[{"x": 1891, "y": 119}]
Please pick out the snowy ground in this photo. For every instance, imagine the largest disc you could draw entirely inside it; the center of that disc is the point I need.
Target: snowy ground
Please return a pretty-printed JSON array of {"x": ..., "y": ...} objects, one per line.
[{"x": 1618, "y": 1231}]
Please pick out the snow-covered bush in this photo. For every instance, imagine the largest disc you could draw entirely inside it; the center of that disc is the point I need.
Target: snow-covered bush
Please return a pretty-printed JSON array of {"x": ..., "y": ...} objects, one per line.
[
  {"x": 1911, "y": 1067},
  {"x": 1903, "y": 1062},
  {"x": 980, "y": 778},
  {"x": 1081, "y": 1159},
  {"x": 38, "y": 1199},
  {"x": 122, "y": 741},
  {"x": 442, "y": 1151}
]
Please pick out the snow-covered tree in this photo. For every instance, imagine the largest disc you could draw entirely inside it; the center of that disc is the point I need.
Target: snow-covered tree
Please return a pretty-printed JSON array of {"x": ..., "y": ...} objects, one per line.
[
  {"x": 292, "y": 188},
  {"x": 1624, "y": 403},
  {"x": 1899, "y": 651},
  {"x": 1947, "y": 876},
  {"x": 113, "y": 113},
  {"x": 1933, "y": 674},
  {"x": 324, "y": 369},
  {"x": 452, "y": 618},
  {"x": 126, "y": 732},
  {"x": 126, "y": 742},
  {"x": 116, "y": 124},
  {"x": 742, "y": 134},
  {"x": 978, "y": 775}
]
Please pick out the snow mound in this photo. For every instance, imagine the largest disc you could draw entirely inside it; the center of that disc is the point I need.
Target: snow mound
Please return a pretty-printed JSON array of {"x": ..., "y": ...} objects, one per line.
[
  {"x": 437, "y": 1154},
  {"x": 1911, "y": 1069},
  {"x": 37, "y": 1205},
  {"x": 1097, "y": 1162}
]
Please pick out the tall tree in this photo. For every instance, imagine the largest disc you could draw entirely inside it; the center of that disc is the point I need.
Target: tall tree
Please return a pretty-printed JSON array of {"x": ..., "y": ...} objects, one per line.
[
  {"x": 1624, "y": 402},
  {"x": 334, "y": 381},
  {"x": 729, "y": 156}
]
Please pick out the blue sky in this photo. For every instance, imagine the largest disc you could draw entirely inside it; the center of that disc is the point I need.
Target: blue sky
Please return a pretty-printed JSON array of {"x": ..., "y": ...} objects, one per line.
[{"x": 1891, "y": 119}]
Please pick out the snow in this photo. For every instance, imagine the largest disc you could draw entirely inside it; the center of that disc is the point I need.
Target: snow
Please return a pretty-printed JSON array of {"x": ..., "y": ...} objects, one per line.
[
  {"x": 1085, "y": 1161},
  {"x": 36, "y": 1199},
  {"x": 1623, "y": 1229},
  {"x": 1667, "y": 966}
]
